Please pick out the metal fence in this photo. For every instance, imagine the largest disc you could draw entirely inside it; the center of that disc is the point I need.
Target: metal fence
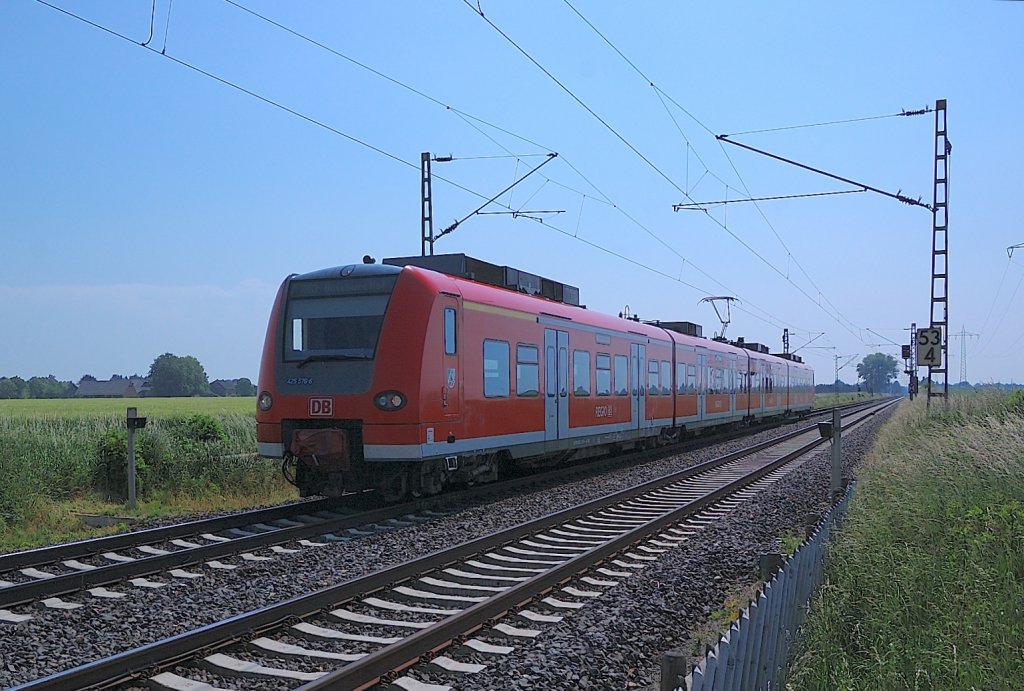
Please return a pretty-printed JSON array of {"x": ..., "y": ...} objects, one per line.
[{"x": 753, "y": 654}]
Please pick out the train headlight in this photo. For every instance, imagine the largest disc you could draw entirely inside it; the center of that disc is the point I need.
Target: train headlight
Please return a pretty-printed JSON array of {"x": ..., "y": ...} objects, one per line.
[
  {"x": 265, "y": 401},
  {"x": 389, "y": 400}
]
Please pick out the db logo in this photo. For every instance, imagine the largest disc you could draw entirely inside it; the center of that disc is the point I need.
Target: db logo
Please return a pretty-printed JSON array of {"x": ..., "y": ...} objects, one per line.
[{"x": 321, "y": 407}]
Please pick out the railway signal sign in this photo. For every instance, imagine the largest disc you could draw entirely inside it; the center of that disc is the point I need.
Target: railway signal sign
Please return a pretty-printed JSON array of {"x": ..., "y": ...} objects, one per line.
[{"x": 929, "y": 347}]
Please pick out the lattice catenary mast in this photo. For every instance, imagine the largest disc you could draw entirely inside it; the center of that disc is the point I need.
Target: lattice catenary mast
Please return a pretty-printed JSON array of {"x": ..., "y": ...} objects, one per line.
[{"x": 940, "y": 250}]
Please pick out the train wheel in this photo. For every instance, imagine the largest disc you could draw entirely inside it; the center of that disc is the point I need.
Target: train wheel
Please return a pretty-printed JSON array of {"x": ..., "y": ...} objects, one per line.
[
  {"x": 394, "y": 488},
  {"x": 432, "y": 479}
]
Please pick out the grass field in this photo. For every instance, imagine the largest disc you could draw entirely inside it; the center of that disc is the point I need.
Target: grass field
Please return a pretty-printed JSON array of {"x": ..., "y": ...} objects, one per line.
[
  {"x": 924, "y": 586},
  {"x": 101, "y": 407},
  {"x": 66, "y": 455},
  {"x": 829, "y": 400}
]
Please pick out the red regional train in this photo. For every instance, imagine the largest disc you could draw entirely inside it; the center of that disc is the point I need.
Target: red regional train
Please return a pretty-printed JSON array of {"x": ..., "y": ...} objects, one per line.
[{"x": 404, "y": 379}]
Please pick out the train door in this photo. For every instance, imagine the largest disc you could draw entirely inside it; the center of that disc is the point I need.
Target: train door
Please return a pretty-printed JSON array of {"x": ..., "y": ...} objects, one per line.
[
  {"x": 638, "y": 390},
  {"x": 556, "y": 384},
  {"x": 451, "y": 389},
  {"x": 733, "y": 383},
  {"x": 701, "y": 386}
]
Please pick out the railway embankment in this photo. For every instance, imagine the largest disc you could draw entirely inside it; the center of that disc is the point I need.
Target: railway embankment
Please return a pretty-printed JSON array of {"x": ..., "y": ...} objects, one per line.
[{"x": 924, "y": 587}]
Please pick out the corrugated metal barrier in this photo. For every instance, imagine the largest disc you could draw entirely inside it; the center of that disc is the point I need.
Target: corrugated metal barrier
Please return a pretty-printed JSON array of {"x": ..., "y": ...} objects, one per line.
[{"x": 753, "y": 654}]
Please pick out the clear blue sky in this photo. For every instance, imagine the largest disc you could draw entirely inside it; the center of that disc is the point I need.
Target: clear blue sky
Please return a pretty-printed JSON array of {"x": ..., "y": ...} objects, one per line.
[{"x": 147, "y": 208}]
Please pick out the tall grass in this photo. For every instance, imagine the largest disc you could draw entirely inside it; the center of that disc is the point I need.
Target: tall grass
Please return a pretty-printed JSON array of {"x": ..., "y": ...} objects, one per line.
[
  {"x": 48, "y": 459},
  {"x": 924, "y": 585}
]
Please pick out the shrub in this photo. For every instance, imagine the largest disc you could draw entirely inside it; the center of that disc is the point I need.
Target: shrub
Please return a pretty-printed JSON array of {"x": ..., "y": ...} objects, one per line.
[
  {"x": 110, "y": 463},
  {"x": 1015, "y": 402}
]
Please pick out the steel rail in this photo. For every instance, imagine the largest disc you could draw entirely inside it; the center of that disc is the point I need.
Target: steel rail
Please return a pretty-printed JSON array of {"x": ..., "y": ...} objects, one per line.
[
  {"x": 134, "y": 663},
  {"x": 377, "y": 666},
  {"x": 39, "y": 556},
  {"x": 74, "y": 581},
  {"x": 71, "y": 582},
  {"x": 132, "y": 538},
  {"x": 398, "y": 656}
]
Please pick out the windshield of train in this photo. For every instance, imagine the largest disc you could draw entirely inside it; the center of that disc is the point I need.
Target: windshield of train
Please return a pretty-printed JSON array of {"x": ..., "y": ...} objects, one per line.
[{"x": 335, "y": 319}]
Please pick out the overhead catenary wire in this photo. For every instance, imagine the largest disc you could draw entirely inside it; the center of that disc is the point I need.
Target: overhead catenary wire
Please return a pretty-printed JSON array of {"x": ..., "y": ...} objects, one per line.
[
  {"x": 899, "y": 196},
  {"x": 167, "y": 26},
  {"x": 838, "y": 316},
  {"x": 455, "y": 225},
  {"x": 662, "y": 95},
  {"x": 995, "y": 298},
  {"x": 995, "y": 329},
  {"x": 471, "y": 119},
  {"x": 699, "y": 206},
  {"x": 768, "y": 319},
  {"x": 903, "y": 113},
  {"x": 259, "y": 97}
]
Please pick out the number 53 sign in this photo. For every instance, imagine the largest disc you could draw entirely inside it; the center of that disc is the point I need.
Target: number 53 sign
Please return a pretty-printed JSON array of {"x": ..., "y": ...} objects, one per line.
[{"x": 929, "y": 347}]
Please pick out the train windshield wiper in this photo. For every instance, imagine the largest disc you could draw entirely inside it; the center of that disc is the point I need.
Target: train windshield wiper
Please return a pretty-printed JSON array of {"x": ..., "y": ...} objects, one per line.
[{"x": 332, "y": 358}]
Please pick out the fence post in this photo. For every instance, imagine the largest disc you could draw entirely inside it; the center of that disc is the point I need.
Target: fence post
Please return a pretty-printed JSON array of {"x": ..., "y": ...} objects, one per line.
[{"x": 673, "y": 669}]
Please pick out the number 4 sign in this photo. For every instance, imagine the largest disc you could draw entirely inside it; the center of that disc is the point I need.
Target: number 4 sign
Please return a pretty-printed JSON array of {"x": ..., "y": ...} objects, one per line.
[{"x": 929, "y": 347}]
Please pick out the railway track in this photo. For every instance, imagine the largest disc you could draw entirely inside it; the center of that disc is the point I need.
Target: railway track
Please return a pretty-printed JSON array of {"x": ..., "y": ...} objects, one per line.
[
  {"x": 472, "y": 601},
  {"x": 152, "y": 558}
]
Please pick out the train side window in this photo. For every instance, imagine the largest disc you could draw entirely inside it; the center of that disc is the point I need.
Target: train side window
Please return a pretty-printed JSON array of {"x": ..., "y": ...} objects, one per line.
[
  {"x": 580, "y": 373},
  {"x": 652, "y": 377},
  {"x": 621, "y": 375},
  {"x": 449, "y": 331},
  {"x": 666, "y": 378},
  {"x": 691, "y": 379},
  {"x": 527, "y": 371},
  {"x": 603, "y": 384},
  {"x": 496, "y": 356},
  {"x": 680, "y": 378}
]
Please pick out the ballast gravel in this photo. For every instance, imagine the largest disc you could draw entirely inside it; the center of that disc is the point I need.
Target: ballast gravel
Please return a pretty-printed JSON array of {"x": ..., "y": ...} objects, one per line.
[{"x": 613, "y": 642}]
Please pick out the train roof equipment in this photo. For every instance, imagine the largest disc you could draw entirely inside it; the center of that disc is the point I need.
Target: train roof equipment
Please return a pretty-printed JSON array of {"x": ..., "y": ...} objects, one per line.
[
  {"x": 684, "y": 327},
  {"x": 508, "y": 277}
]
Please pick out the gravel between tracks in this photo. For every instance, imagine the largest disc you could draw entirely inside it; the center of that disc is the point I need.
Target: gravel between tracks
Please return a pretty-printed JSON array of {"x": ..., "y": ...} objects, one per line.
[{"x": 612, "y": 643}]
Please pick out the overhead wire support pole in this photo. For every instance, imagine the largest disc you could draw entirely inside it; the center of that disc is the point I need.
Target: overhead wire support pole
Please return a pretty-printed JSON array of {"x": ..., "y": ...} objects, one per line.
[
  {"x": 899, "y": 196},
  {"x": 1011, "y": 248},
  {"x": 426, "y": 207},
  {"x": 456, "y": 224},
  {"x": 940, "y": 252}
]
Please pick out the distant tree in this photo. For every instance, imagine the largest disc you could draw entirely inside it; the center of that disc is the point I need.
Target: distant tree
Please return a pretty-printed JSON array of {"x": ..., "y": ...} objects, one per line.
[
  {"x": 13, "y": 387},
  {"x": 170, "y": 375},
  {"x": 87, "y": 377},
  {"x": 49, "y": 387},
  {"x": 244, "y": 387},
  {"x": 878, "y": 371}
]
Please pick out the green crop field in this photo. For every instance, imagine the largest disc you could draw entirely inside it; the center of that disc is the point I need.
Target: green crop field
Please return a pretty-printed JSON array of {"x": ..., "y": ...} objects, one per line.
[
  {"x": 102, "y": 407},
  {"x": 65, "y": 455}
]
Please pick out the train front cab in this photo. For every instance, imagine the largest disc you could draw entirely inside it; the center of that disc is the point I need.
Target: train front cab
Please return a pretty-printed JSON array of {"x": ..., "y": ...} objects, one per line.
[{"x": 337, "y": 385}]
